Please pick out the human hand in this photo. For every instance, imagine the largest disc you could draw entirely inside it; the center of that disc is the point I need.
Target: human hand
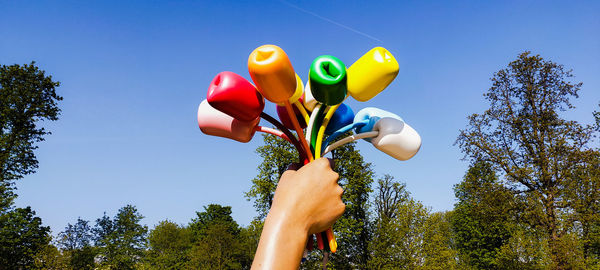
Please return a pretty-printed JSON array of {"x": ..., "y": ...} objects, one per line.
[
  {"x": 306, "y": 201},
  {"x": 309, "y": 197}
]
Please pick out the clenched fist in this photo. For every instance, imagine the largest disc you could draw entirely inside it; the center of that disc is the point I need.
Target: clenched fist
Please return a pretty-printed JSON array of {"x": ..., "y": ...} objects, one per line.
[{"x": 307, "y": 201}]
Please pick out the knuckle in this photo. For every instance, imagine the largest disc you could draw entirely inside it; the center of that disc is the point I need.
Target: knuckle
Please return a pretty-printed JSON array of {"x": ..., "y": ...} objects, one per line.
[
  {"x": 322, "y": 162},
  {"x": 335, "y": 176},
  {"x": 342, "y": 208},
  {"x": 319, "y": 163}
]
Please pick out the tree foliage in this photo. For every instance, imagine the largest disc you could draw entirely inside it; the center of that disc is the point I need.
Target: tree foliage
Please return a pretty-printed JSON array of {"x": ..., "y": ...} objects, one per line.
[
  {"x": 27, "y": 97},
  {"x": 398, "y": 227},
  {"x": 22, "y": 236},
  {"x": 50, "y": 258},
  {"x": 169, "y": 244},
  {"x": 483, "y": 216},
  {"x": 213, "y": 214},
  {"x": 218, "y": 241},
  {"x": 217, "y": 249},
  {"x": 75, "y": 243},
  {"x": 405, "y": 234},
  {"x": 75, "y": 236},
  {"x": 523, "y": 136},
  {"x": 583, "y": 194},
  {"x": 121, "y": 241},
  {"x": 438, "y": 247}
]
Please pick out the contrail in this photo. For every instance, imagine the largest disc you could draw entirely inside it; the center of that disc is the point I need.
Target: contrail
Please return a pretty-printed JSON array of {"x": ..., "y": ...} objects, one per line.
[{"x": 331, "y": 21}]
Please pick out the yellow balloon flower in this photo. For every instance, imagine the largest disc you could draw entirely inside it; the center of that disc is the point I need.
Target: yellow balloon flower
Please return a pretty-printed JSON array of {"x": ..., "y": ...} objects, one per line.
[{"x": 371, "y": 73}]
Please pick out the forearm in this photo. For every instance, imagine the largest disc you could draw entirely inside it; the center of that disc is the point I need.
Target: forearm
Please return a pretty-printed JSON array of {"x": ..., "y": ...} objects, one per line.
[{"x": 286, "y": 237}]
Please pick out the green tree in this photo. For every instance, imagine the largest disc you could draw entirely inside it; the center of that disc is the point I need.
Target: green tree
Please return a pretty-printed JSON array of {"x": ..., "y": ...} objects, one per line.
[
  {"x": 27, "y": 97},
  {"x": 121, "y": 241},
  {"x": 213, "y": 214},
  {"x": 583, "y": 191},
  {"x": 75, "y": 242},
  {"x": 438, "y": 243},
  {"x": 398, "y": 228},
  {"x": 22, "y": 236},
  {"x": 7, "y": 196},
  {"x": 523, "y": 136},
  {"x": 50, "y": 258},
  {"x": 217, "y": 249},
  {"x": 386, "y": 244},
  {"x": 169, "y": 246},
  {"x": 249, "y": 240},
  {"x": 525, "y": 249},
  {"x": 483, "y": 217},
  {"x": 405, "y": 234},
  {"x": 218, "y": 242},
  {"x": 75, "y": 236}
]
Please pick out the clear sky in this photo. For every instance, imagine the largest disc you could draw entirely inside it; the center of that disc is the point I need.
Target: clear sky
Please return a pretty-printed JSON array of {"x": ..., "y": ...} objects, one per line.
[{"x": 132, "y": 74}]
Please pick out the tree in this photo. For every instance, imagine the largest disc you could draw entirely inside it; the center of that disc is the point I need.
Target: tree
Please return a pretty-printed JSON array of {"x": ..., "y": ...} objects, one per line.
[
  {"x": 523, "y": 136},
  {"x": 525, "y": 249},
  {"x": 22, "y": 236},
  {"x": 75, "y": 236},
  {"x": 213, "y": 214},
  {"x": 249, "y": 240},
  {"x": 218, "y": 242},
  {"x": 75, "y": 242},
  {"x": 169, "y": 245},
  {"x": 398, "y": 229},
  {"x": 217, "y": 249},
  {"x": 121, "y": 240},
  {"x": 50, "y": 258},
  {"x": 27, "y": 97},
  {"x": 438, "y": 243},
  {"x": 583, "y": 191},
  {"x": 7, "y": 196},
  {"x": 387, "y": 243},
  {"x": 483, "y": 218},
  {"x": 406, "y": 235}
]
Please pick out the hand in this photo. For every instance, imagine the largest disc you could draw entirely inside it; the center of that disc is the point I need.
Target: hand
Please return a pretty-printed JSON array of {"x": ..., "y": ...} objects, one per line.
[
  {"x": 306, "y": 201},
  {"x": 310, "y": 196}
]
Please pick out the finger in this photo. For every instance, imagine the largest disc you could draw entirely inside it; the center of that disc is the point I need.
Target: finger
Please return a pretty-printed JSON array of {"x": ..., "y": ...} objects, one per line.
[
  {"x": 339, "y": 191},
  {"x": 341, "y": 208},
  {"x": 335, "y": 177},
  {"x": 325, "y": 162}
]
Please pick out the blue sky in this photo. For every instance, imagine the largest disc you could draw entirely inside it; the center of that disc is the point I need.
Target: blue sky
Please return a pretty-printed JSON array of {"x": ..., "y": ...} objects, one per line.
[{"x": 132, "y": 74}]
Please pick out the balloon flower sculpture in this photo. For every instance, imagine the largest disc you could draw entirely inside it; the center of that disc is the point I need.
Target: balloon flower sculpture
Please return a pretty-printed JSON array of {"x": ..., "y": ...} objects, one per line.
[{"x": 234, "y": 106}]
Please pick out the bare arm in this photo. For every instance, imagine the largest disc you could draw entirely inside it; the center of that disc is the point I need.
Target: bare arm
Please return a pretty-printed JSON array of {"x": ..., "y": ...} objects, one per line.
[{"x": 306, "y": 201}]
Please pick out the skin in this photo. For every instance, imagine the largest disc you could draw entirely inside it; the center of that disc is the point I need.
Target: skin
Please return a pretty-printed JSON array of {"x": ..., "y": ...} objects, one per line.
[{"x": 306, "y": 201}]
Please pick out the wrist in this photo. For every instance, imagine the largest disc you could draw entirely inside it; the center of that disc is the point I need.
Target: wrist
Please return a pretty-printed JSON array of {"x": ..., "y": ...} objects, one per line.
[
  {"x": 282, "y": 242},
  {"x": 284, "y": 219}
]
